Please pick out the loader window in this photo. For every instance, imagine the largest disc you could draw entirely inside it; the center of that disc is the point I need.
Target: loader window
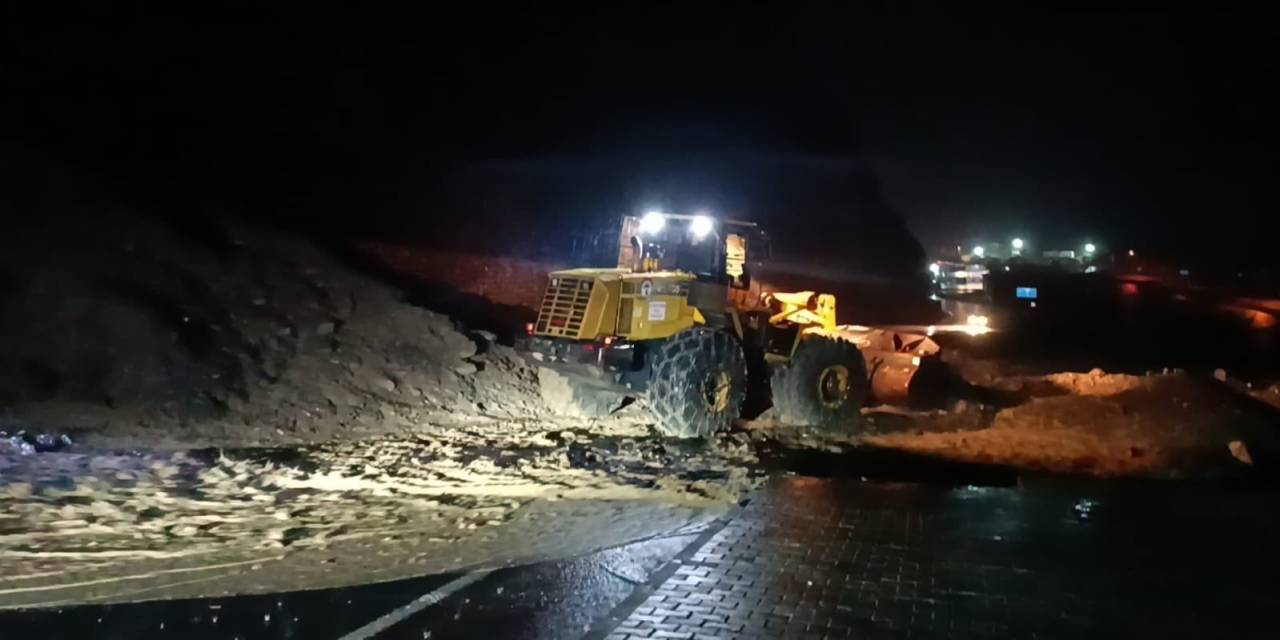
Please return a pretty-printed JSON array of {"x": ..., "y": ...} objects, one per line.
[
  {"x": 694, "y": 257},
  {"x": 735, "y": 260}
]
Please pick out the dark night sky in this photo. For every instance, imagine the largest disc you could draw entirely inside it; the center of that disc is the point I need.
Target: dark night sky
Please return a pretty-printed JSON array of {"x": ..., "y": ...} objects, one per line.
[{"x": 1136, "y": 129}]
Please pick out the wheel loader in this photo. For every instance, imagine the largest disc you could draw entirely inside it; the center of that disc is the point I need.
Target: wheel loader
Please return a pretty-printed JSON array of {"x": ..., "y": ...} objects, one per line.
[{"x": 679, "y": 324}]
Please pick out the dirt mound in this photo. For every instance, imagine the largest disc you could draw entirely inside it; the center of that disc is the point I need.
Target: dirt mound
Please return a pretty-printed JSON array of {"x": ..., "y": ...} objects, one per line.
[
  {"x": 1111, "y": 425},
  {"x": 120, "y": 327},
  {"x": 1097, "y": 382}
]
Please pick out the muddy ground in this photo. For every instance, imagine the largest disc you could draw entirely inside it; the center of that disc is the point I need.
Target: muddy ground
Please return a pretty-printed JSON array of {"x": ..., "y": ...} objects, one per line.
[
  {"x": 239, "y": 411},
  {"x": 1168, "y": 425},
  {"x": 101, "y": 526}
]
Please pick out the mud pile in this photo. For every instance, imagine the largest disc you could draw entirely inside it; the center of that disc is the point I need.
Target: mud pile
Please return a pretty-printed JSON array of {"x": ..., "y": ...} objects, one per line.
[
  {"x": 112, "y": 526},
  {"x": 121, "y": 329},
  {"x": 1174, "y": 424}
]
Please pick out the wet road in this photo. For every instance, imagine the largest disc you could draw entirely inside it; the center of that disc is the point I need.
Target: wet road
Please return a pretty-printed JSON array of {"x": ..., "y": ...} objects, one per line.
[
  {"x": 547, "y": 600},
  {"x": 817, "y": 557}
]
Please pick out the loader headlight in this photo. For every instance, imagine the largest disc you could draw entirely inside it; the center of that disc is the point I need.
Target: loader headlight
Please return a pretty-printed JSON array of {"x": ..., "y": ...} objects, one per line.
[
  {"x": 701, "y": 226},
  {"x": 652, "y": 222}
]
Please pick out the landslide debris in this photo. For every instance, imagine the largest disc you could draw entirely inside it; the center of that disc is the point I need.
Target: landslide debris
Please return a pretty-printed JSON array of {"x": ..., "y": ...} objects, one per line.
[
  {"x": 125, "y": 330},
  {"x": 1173, "y": 424}
]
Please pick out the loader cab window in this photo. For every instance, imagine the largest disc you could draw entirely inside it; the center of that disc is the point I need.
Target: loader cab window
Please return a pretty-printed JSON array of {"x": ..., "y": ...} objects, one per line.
[
  {"x": 735, "y": 261},
  {"x": 674, "y": 251},
  {"x": 719, "y": 254},
  {"x": 696, "y": 256}
]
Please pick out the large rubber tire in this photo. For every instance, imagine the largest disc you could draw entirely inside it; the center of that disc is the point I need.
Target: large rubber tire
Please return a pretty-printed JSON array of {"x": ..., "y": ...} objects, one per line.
[
  {"x": 568, "y": 396},
  {"x": 697, "y": 383},
  {"x": 807, "y": 391}
]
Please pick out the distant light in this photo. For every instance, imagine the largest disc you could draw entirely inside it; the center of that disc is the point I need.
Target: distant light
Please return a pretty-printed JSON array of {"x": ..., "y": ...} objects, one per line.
[
  {"x": 1184, "y": 272},
  {"x": 976, "y": 325},
  {"x": 1131, "y": 254},
  {"x": 935, "y": 269},
  {"x": 652, "y": 222},
  {"x": 931, "y": 330},
  {"x": 978, "y": 251},
  {"x": 1089, "y": 247},
  {"x": 1091, "y": 269},
  {"x": 1017, "y": 243},
  {"x": 1006, "y": 267},
  {"x": 701, "y": 226}
]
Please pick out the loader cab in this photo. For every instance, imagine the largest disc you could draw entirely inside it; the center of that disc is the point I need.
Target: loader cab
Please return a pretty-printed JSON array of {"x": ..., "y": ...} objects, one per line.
[{"x": 715, "y": 251}]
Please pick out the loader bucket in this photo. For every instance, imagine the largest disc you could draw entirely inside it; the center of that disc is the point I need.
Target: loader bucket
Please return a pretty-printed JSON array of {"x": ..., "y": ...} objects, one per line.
[{"x": 902, "y": 367}]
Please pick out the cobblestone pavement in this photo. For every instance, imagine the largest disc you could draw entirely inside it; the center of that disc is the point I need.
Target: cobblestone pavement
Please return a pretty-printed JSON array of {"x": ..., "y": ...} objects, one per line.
[{"x": 814, "y": 558}]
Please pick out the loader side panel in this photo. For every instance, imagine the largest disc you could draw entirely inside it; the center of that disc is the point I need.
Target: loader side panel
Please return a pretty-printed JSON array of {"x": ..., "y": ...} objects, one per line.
[{"x": 656, "y": 316}]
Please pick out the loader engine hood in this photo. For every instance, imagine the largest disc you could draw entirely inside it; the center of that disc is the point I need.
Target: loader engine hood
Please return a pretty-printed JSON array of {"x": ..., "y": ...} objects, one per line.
[{"x": 592, "y": 304}]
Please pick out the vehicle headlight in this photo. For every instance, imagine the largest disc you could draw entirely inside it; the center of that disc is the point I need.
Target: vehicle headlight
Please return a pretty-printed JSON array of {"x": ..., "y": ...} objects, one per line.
[
  {"x": 701, "y": 226},
  {"x": 652, "y": 222}
]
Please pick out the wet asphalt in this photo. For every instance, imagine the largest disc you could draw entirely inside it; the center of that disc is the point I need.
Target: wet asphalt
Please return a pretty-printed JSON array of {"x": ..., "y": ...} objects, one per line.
[{"x": 546, "y": 600}]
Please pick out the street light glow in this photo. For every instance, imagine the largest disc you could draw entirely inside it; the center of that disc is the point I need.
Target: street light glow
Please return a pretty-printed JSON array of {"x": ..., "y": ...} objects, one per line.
[
  {"x": 978, "y": 251},
  {"x": 1017, "y": 243},
  {"x": 1089, "y": 247}
]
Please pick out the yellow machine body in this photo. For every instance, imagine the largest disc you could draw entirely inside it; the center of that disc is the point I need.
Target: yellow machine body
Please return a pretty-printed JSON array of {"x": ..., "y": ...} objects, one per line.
[{"x": 593, "y": 304}]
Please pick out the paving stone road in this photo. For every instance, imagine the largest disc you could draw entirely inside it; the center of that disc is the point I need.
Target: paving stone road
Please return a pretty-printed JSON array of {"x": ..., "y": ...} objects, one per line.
[{"x": 822, "y": 558}]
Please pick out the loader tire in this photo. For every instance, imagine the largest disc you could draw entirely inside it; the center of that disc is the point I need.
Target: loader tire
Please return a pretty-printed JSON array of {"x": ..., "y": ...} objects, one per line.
[
  {"x": 568, "y": 396},
  {"x": 697, "y": 383},
  {"x": 823, "y": 385}
]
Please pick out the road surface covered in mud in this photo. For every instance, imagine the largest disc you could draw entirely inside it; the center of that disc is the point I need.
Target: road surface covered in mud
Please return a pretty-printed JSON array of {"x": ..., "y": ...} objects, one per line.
[{"x": 102, "y": 526}]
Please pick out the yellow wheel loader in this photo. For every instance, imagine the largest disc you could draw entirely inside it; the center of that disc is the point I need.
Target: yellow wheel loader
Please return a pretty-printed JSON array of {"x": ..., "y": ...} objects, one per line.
[{"x": 679, "y": 324}]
